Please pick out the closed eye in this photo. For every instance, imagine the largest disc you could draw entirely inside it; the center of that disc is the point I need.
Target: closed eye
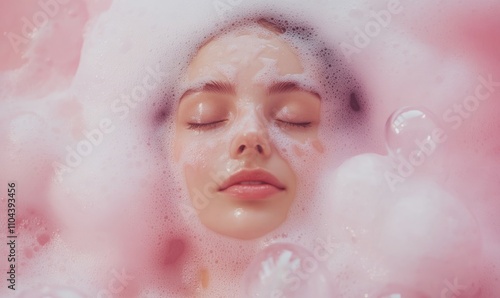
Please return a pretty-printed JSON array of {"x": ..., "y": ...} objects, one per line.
[
  {"x": 293, "y": 124},
  {"x": 204, "y": 126}
]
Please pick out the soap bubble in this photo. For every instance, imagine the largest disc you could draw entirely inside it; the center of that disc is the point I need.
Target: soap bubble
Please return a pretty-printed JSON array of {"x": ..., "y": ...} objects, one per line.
[
  {"x": 286, "y": 270},
  {"x": 408, "y": 126},
  {"x": 414, "y": 140}
]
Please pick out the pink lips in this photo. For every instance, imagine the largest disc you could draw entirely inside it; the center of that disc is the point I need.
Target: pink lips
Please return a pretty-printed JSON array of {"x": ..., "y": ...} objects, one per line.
[{"x": 252, "y": 185}]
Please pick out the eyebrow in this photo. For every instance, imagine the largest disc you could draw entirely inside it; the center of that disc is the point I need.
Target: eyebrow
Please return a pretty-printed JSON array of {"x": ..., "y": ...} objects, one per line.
[
  {"x": 212, "y": 86},
  {"x": 289, "y": 86},
  {"x": 228, "y": 88}
]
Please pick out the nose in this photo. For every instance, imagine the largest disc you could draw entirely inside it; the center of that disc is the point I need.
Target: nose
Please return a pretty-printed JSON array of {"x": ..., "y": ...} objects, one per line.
[{"x": 253, "y": 140}]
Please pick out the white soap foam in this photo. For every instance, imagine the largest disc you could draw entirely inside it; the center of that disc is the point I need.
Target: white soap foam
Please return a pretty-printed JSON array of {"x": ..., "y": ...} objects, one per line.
[{"x": 120, "y": 206}]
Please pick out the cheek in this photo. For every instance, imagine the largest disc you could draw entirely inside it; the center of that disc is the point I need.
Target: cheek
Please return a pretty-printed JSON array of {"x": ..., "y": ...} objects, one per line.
[
  {"x": 200, "y": 156},
  {"x": 195, "y": 150},
  {"x": 176, "y": 149},
  {"x": 193, "y": 176},
  {"x": 306, "y": 155},
  {"x": 318, "y": 146},
  {"x": 305, "y": 159},
  {"x": 298, "y": 151}
]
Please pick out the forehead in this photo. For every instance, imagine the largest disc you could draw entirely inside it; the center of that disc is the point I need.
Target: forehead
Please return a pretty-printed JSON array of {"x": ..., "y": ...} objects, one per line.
[{"x": 246, "y": 49}]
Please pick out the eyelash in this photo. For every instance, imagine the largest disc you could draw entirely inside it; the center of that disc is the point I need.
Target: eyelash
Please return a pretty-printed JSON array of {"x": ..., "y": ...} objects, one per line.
[
  {"x": 207, "y": 126},
  {"x": 294, "y": 124},
  {"x": 204, "y": 126}
]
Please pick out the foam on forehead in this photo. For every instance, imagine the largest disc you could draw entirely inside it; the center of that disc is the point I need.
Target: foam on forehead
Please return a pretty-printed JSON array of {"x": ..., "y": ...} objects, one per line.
[{"x": 344, "y": 104}]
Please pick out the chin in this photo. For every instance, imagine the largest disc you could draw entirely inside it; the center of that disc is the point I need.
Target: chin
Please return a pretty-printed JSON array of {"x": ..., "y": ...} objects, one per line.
[
  {"x": 247, "y": 234},
  {"x": 253, "y": 226}
]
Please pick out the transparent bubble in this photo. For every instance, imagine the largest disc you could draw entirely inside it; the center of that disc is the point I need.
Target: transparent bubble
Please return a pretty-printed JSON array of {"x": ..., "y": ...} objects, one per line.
[
  {"x": 409, "y": 127},
  {"x": 286, "y": 270},
  {"x": 415, "y": 141}
]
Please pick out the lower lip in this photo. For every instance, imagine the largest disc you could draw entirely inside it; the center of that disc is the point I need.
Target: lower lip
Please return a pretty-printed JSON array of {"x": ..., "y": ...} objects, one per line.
[{"x": 252, "y": 192}]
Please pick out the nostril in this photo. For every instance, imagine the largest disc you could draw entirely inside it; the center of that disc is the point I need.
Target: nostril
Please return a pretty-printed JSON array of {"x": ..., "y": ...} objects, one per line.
[
  {"x": 259, "y": 149},
  {"x": 241, "y": 148}
]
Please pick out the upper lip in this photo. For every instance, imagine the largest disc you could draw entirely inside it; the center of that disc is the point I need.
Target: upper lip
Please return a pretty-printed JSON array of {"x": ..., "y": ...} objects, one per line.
[{"x": 252, "y": 175}]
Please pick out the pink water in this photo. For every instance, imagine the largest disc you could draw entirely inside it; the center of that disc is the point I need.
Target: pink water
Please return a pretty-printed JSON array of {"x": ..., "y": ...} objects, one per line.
[{"x": 113, "y": 222}]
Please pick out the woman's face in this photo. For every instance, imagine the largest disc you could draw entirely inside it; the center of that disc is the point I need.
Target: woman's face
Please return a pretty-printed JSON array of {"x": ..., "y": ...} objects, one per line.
[{"x": 243, "y": 111}]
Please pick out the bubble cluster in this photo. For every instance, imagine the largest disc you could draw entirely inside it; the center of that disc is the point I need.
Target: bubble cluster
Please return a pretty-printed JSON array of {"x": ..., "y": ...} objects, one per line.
[{"x": 285, "y": 270}]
